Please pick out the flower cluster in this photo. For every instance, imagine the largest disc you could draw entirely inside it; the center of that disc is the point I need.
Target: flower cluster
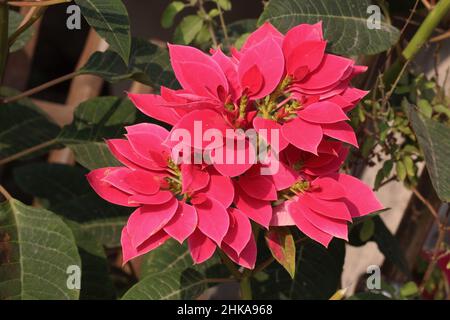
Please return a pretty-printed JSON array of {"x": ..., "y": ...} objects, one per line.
[{"x": 294, "y": 96}]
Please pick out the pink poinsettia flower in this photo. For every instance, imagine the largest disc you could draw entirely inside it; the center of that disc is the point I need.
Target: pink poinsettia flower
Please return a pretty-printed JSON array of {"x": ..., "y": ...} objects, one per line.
[
  {"x": 323, "y": 207},
  {"x": 173, "y": 201}
]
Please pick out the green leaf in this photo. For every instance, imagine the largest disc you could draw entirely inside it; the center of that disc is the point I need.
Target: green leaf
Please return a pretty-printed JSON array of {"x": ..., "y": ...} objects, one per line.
[
  {"x": 318, "y": 274},
  {"x": 95, "y": 280},
  {"x": 224, "y": 4},
  {"x": 174, "y": 256},
  {"x": 36, "y": 250},
  {"x": 68, "y": 194},
  {"x": 282, "y": 246},
  {"x": 409, "y": 289},
  {"x": 344, "y": 23},
  {"x": 95, "y": 120},
  {"x": 434, "y": 140},
  {"x": 149, "y": 64},
  {"x": 389, "y": 246},
  {"x": 172, "y": 284},
  {"x": 15, "y": 20},
  {"x": 170, "y": 12},
  {"x": 188, "y": 29},
  {"x": 367, "y": 230},
  {"x": 22, "y": 127},
  {"x": 110, "y": 19},
  {"x": 169, "y": 256},
  {"x": 409, "y": 166},
  {"x": 425, "y": 108},
  {"x": 401, "y": 170}
]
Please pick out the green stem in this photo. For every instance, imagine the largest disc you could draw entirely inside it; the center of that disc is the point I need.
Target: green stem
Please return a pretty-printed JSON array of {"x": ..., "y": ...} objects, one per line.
[
  {"x": 37, "y": 14},
  {"x": 246, "y": 289},
  {"x": 4, "y": 49},
  {"x": 418, "y": 40}
]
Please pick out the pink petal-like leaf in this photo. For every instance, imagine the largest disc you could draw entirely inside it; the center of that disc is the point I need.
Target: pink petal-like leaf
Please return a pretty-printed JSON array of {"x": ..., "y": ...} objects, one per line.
[
  {"x": 239, "y": 232},
  {"x": 130, "y": 252},
  {"x": 201, "y": 247},
  {"x": 360, "y": 198},
  {"x": 323, "y": 112},
  {"x": 149, "y": 219},
  {"x": 302, "y": 134},
  {"x": 106, "y": 190},
  {"x": 307, "y": 227},
  {"x": 341, "y": 131},
  {"x": 183, "y": 223},
  {"x": 213, "y": 220},
  {"x": 259, "y": 211}
]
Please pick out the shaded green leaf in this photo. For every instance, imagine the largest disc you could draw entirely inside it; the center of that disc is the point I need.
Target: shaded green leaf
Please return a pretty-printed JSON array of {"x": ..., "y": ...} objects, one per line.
[
  {"x": 367, "y": 230},
  {"x": 317, "y": 276},
  {"x": 188, "y": 29},
  {"x": 36, "y": 250},
  {"x": 170, "y": 12},
  {"x": 149, "y": 64},
  {"x": 434, "y": 140},
  {"x": 15, "y": 20},
  {"x": 344, "y": 23},
  {"x": 389, "y": 245},
  {"x": 110, "y": 19},
  {"x": 173, "y": 284},
  {"x": 68, "y": 194},
  {"x": 23, "y": 126},
  {"x": 96, "y": 120}
]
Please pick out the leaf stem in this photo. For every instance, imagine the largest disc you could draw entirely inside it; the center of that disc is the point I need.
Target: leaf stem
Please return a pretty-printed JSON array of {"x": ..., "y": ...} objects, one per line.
[
  {"x": 36, "y": 14},
  {"x": 39, "y": 88},
  {"x": 230, "y": 266},
  {"x": 246, "y": 289},
  {"x": 4, "y": 49},
  {"x": 224, "y": 26},
  {"x": 5, "y": 193},
  {"x": 28, "y": 151},
  {"x": 36, "y": 3}
]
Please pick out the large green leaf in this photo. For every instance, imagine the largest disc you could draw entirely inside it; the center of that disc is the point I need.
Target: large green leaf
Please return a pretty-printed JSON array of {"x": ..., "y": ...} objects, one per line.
[
  {"x": 96, "y": 282},
  {"x": 174, "y": 256},
  {"x": 95, "y": 120},
  {"x": 36, "y": 250},
  {"x": 434, "y": 139},
  {"x": 67, "y": 193},
  {"x": 15, "y": 19},
  {"x": 173, "y": 284},
  {"x": 389, "y": 245},
  {"x": 148, "y": 64},
  {"x": 110, "y": 19},
  {"x": 23, "y": 127},
  {"x": 344, "y": 23},
  {"x": 317, "y": 276}
]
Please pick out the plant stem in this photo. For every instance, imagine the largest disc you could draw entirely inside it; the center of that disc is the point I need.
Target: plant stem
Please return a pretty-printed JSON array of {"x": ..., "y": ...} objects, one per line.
[
  {"x": 224, "y": 26},
  {"x": 36, "y": 15},
  {"x": 39, "y": 88},
  {"x": 4, "y": 49},
  {"x": 36, "y": 3},
  {"x": 5, "y": 193},
  {"x": 418, "y": 40},
  {"x": 246, "y": 289},
  {"x": 230, "y": 266},
  {"x": 27, "y": 151}
]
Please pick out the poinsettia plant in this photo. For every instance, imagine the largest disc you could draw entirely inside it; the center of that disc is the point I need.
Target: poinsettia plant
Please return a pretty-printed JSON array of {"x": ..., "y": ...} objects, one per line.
[{"x": 236, "y": 156}]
